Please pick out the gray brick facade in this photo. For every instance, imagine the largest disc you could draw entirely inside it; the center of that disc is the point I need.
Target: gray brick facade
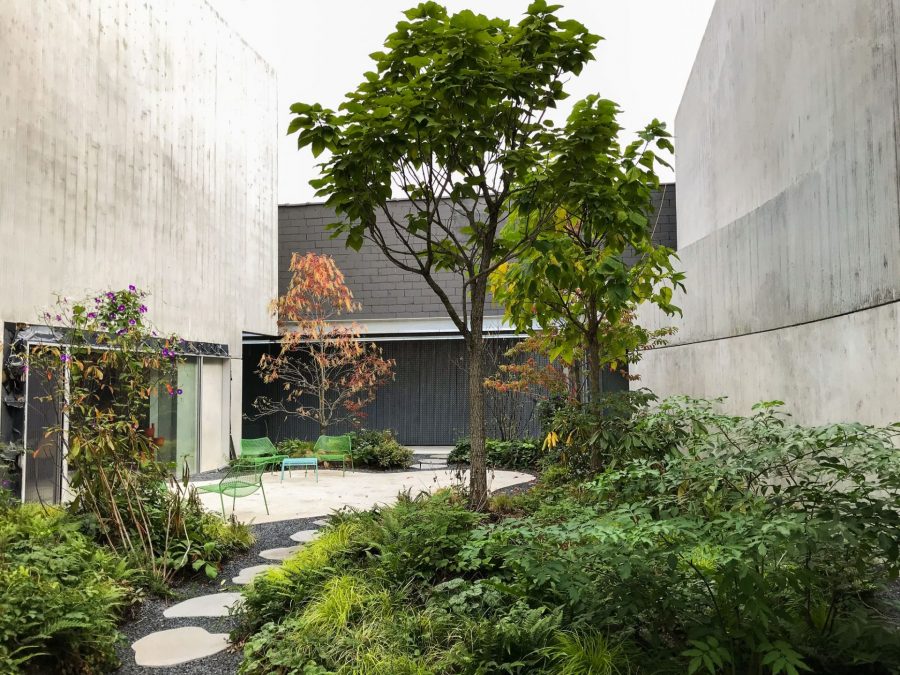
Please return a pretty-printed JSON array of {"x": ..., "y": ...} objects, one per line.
[{"x": 385, "y": 291}]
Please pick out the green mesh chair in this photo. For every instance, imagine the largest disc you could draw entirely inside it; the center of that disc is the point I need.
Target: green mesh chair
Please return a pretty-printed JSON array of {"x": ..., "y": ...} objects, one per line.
[
  {"x": 242, "y": 480},
  {"x": 260, "y": 451},
  {"x": 335, "y": 449}
]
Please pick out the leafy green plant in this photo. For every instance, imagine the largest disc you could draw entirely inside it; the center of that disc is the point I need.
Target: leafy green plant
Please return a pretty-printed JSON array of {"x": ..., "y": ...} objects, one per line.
[
  {"x": 61, "y": 595},
  {"x": 101, "y": 377},
  {"x": 380, "y": 450},
  {"x": 522, "y": 455},
  {"x": 716, "y": 543},
  {"x": 588, "y": 654},
  {"x": 295, "y": 447},
  {"x": 588, "y": 437}
]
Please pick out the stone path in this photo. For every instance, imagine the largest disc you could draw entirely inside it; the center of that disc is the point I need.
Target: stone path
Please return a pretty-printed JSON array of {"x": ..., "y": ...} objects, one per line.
[
  {"x": 246, "y": 575},
  {"x": 279, "y": 553},
  {"x": 177, "y": 645},
  {"x": 188, "y": 643}
]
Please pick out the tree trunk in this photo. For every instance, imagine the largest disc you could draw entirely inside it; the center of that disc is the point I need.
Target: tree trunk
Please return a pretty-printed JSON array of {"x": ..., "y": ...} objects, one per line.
[
  {"x": 477, "y": 455},
  {"x": 475, "y": 347},
  {"x": 594, "y": 369}
]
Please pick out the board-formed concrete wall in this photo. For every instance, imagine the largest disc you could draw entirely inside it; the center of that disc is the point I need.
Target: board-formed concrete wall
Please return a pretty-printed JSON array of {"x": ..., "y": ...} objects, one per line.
[
  {"x": 788, "y": 217},
  {"x": 138, "y": 146}
]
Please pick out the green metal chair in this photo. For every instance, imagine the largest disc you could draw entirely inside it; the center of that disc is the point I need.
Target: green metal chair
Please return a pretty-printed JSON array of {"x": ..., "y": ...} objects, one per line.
[
  {"x": 335, "y": 449},
  {"x": 242, "y": 480},
  {"x": 260, "y": 451}
]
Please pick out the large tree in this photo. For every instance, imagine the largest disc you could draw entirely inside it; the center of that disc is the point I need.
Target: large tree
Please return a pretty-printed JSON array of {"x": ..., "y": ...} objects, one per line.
[
  {"x": 582, "y": 279},
  {"x": 453, "y": 116}
]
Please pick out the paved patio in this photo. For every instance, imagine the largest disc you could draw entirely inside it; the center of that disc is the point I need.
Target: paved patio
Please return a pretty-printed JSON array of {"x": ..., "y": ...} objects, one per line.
[{"x": 302, "y": 497}]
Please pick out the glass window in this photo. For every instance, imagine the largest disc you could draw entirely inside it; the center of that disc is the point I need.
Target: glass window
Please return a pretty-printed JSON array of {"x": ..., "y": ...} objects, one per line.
[{"x": 174, "y": 420}]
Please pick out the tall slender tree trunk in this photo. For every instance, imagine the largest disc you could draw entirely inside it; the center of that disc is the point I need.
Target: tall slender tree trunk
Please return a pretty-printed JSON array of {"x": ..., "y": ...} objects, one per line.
[
  {"x": 477, "y": 458},
  {"x": 592, "y": 347},
  {"x": 475, "y": 348}
]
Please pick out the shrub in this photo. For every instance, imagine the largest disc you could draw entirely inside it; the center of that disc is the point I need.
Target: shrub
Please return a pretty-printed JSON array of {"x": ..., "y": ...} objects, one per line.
[
  {"x": 752, "y": 543},
  {"x": 294, "y": 447},
  {"x": 588, "y": 437},
  {"x": 721, "y": 544},
  {"x": 372, "y": 449},
  {"x": 61, "y": 595},
  {"x": 380, "y": 450},
  {"x": 101, "y": 384},
  {"x": 521, "y": 455}
]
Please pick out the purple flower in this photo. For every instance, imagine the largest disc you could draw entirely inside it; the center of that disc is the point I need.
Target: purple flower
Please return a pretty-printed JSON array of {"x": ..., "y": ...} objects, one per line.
[
  {"x": 58, "y": 317},
  {"x": 180, "y": 392},
  {"x": 102, "y": 324},
  {"x": 121, "y": 331},
  {"x": 64, "y": 358},
  {"x": 131, "y": 322},
  {"x": 166, "y": 351},
  {"x": 92, "y": 315},
  {"x": 110, "y": 295},
  {"x": 121, "y": 308},
  {"x": 132, "y": 288},
  {"x": 142, "y": 309}
]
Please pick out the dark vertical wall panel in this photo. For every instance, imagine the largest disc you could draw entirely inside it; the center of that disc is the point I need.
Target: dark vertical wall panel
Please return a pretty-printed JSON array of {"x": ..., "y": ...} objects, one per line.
[{"x": 426, "y": 404}]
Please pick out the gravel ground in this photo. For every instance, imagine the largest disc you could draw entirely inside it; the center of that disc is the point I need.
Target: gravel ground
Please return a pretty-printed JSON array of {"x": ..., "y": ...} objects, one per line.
[{"x": 149, "y": 617}]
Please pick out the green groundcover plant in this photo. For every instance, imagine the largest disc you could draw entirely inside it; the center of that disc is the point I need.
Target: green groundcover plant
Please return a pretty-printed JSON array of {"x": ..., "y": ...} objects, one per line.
[
  {"x": 523, "y": 454},
  {"x": 61, "y": 596},
  {"x": 722, "y": 544}
]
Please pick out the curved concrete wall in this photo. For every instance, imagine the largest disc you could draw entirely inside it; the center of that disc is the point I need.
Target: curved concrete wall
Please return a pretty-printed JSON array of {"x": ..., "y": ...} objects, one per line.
[{"x": 789, "y": 212}]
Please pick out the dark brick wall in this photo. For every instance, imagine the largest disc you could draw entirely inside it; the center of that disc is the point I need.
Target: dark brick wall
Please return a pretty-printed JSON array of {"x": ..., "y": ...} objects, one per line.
[
  {"x": 385, "y": 291},
  {"x": 665, "y": 225}
]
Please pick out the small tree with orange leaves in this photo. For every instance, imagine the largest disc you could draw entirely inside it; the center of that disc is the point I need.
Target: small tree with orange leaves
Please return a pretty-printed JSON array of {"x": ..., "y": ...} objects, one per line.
[{"x": 327, "y": 373}]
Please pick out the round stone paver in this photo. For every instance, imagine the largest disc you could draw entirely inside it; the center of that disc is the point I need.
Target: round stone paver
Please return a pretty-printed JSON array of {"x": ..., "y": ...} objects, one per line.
[
  {"x": 320, "y": 523},
  {"x": 246, "y": 575},
  {"x": 216, "y": 604},
  {"x": 177, "y": 645},
  {"x": 279, "y": 553},
  {"x": 305, "y": 535}
]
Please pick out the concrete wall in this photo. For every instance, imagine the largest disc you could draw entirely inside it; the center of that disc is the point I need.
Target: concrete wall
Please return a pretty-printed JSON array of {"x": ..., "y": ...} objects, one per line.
[
  {"x": 138, "y": 146},
  {"x": 789, "y": 226}
]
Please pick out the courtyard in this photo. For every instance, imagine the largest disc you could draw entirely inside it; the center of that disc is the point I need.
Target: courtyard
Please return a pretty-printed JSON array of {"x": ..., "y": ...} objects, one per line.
[{"x": 464, "y": 338}]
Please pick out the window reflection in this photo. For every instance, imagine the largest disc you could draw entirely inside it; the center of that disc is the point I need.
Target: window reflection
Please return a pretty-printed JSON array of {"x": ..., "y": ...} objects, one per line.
[{"x": 174, "y": 420}]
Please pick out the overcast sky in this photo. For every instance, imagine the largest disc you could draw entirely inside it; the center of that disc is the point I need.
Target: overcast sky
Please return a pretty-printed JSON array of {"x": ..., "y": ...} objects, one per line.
[{"x": 320, "y": 50}]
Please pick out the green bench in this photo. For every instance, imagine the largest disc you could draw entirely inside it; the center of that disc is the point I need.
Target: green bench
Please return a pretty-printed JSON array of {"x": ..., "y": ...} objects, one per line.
[
  {"x": 260, "y": 451},
  {"x": 241, "y": 480},
  {"x": 335, "y": 449}
]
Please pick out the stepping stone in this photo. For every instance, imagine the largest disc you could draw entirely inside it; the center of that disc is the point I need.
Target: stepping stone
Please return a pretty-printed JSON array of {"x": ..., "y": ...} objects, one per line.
[
  {"x": 320, "y": 523},
  {"x": 279, "y": 553},
  {"x": 216, "y": 604},
  {"x": 177, "y": 645},
  {"x": 246, "y": 575},
  {"x": 305, "y": 535}
]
